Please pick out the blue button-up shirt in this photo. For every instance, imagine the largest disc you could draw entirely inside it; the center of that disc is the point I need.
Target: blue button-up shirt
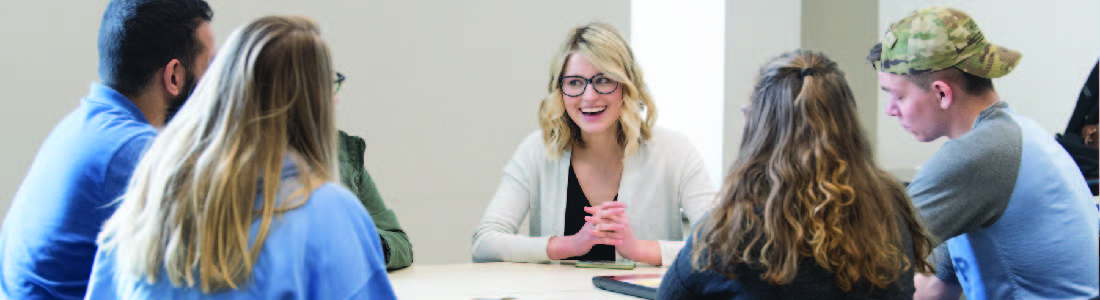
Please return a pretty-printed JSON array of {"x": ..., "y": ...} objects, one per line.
[{"x": 47, "y": 243}]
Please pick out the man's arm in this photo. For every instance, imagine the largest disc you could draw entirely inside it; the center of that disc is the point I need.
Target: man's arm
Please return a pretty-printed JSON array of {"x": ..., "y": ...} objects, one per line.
[
  {"x": 396, "y": 248},
  {"x": 395, "y": 243}
]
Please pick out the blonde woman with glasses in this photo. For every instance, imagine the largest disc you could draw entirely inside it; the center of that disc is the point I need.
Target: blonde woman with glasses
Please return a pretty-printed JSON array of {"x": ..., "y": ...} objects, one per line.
[
  {"x": 598, "y": 181},
  {"x": 239, "y": 196}
]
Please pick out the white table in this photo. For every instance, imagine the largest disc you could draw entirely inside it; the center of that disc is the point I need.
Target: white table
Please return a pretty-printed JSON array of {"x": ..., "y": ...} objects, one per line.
[{"x": 499, "y": 280}]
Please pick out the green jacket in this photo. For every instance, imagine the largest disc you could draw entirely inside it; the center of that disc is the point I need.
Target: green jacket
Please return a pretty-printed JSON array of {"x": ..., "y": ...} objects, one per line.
[{"x": 395, "y": 243}]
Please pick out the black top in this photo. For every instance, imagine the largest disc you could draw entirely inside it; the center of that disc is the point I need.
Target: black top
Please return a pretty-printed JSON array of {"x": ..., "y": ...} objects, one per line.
[
  {"x": 575, "y": 201},
  {"x": 812, "y": 281}
]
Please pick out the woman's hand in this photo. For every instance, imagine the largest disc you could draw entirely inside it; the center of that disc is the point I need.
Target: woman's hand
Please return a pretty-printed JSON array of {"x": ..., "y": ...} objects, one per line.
[
  {"x": 562, "y": 247},
  {"x": 611, "y": 222}
]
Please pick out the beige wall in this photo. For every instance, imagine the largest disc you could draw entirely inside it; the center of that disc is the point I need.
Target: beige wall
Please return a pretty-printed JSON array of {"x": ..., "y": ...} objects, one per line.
[
  {"x": 841, "y": 29},
  {"x": 48, "y": 59},
  {"x": 756, "y": 32},
  {"x": 442, "y": 91}
]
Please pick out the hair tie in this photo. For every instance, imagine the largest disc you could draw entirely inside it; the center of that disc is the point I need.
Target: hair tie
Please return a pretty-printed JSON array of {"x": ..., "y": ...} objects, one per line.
[{"x": 807, "y": 72}]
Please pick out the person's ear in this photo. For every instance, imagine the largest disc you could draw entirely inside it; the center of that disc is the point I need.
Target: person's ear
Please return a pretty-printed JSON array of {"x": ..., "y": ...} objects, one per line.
[
  {"x": 174, "y": 75},
  {"x": 944, "y": 93}
]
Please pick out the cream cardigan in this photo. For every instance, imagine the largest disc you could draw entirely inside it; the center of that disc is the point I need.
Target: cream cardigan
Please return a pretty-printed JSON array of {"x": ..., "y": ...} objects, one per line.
[{"x": 666, "y": 174}]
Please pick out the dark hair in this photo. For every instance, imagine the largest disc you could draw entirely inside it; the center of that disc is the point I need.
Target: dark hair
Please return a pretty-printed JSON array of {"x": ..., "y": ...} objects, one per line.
[
  {"x": 138, "y": 37},
  {"x": 805, "y": 186},
  {"x": 969, "y": 83}
]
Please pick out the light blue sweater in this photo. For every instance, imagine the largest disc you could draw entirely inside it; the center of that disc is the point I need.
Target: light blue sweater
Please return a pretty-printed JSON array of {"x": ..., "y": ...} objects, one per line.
[{"x": 325, "y": 249}]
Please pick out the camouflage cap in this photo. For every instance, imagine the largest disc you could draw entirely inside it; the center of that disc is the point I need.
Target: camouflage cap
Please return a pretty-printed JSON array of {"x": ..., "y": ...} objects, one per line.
[{"x": 935, "y": 38}]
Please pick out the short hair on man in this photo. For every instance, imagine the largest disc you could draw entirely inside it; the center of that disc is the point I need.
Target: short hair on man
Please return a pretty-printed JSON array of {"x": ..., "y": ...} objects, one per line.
[
  {"x": 970, "y": 84},
  {"x": 138, "y": 37}
]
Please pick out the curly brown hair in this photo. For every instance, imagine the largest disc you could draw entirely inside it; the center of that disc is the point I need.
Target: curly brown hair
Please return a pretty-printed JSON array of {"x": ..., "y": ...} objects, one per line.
[{"x": 805, "y": 185}]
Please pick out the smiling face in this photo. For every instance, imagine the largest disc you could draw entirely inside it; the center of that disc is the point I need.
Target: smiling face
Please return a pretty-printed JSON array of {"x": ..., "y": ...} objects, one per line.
[
  {"x": 595, "y": 113},
  {"x": 918, "y": 110}
]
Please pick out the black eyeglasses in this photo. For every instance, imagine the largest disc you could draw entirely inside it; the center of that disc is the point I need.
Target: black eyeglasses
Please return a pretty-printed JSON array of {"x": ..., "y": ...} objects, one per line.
[
  {"x": 339, "y": 82},
  {"x": 574, "y": 86}
]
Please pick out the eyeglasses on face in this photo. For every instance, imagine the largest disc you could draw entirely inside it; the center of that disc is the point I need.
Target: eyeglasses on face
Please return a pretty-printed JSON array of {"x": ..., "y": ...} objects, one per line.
[
  {"x": 574, "y": 86},
  {"x": 338, "y": 82}
]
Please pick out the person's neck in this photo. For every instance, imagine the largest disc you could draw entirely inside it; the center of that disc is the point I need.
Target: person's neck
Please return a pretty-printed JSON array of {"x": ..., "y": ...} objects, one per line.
[
  {"x": 600, "y": 149},
  {"x": 970, "y": 107},
  {"x": 152, "y": 105}
]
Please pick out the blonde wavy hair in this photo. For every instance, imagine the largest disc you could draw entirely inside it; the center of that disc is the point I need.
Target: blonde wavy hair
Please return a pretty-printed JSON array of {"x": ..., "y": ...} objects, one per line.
[
  {"x": 805, "y": 185},
  {"x": 602, "y": 45},
  {"x": 191, "y": 200}
]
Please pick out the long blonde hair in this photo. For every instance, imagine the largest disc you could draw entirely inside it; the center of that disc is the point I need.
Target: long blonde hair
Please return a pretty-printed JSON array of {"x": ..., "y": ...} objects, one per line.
[
  {"x": 608, "y": 52},
  {"x": 805, "y": 184},
  {"x": 191, "y": 200}
]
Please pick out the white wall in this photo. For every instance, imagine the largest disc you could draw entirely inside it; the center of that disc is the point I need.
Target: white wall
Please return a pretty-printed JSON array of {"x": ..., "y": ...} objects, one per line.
[
  {"x": 442, "y": 91},
  {"x": 756, "y": 32},
  {"x": 680, "y": 47},
  {"x": 1060, "y": 42}
]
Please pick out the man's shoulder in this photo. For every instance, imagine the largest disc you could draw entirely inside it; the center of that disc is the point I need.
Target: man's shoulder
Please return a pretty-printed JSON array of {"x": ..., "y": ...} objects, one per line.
[
  {"x": 124, "y": 129},
  {"x": 989, "y": 155},
  {"x": 111, "y": 128},
  {"x": 350, "y": 152},
  {"x": 350, "y": 143},
  {"x": 995, "y": 140},
  {"x": 982, "y": 164},
  {"x": 88, "y": 136}
]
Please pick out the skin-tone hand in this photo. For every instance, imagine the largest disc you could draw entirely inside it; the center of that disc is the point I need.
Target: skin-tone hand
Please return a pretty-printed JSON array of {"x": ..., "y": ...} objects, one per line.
[
  {"x": 562, "y": 247},
  {"x": 931, "y": 288},
  {"x": 611, "y": 222}
]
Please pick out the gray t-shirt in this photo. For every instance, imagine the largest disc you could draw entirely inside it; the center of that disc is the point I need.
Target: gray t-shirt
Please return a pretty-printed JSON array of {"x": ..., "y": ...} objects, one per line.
[{"x": 1016, "y": 216}]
